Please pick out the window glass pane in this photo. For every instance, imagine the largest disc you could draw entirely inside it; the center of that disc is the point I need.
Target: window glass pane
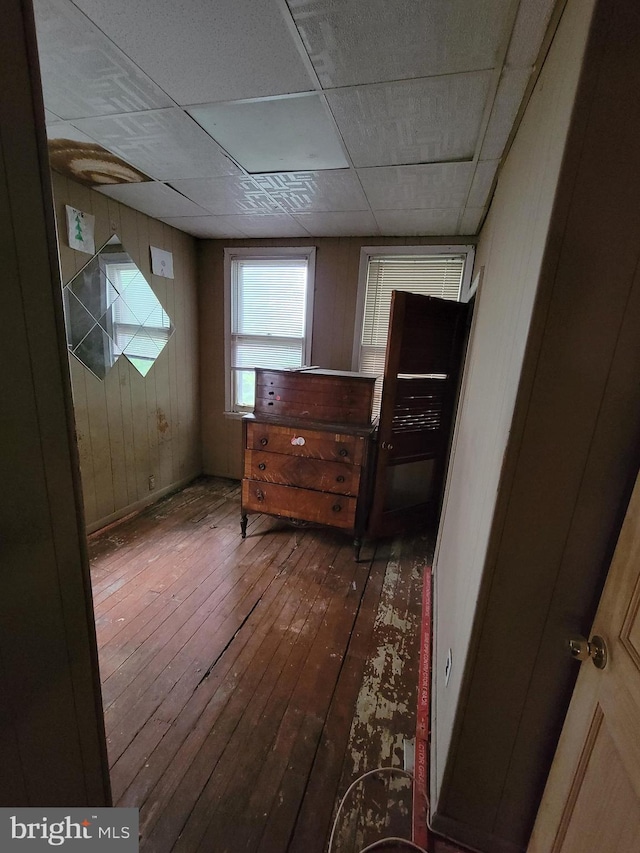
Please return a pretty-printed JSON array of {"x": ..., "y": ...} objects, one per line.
[
  {"x": 244, "y": 388},
  {"x": 270, "y": 297},
  {"x": 428, "y": 275},
  {"x": 268, "y": 319},
  {"x": 434, "y": 275},
  {"x": 263, "y": 352}
]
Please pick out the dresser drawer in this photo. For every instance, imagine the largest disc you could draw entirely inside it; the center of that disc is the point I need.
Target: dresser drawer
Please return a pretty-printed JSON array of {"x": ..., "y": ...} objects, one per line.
[
  {"x": 303, "y": 504},
  {"x": 315, "y": 444},
  {"x": 329, "y": 396},
  {"x": 335, "y": 477}
]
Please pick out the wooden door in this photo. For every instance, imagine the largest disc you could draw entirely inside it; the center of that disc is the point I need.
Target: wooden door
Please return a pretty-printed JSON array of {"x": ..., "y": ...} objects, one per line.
[
  {"x": 592, "y": 798},
  {"x": 424, "y": 350}
]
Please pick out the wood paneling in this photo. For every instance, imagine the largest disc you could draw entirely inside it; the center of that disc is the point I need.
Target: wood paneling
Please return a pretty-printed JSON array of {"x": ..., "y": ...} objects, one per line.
[
  {"x": 334, "y": 310},
  {"x": 130, "y": 427},
  {"x": 544, "y": 461},
  {"x": 51, "y": 733}
]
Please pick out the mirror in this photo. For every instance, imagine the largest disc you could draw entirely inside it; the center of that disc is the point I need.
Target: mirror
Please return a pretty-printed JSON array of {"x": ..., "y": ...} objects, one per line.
[{"x": 110, "y": 310}]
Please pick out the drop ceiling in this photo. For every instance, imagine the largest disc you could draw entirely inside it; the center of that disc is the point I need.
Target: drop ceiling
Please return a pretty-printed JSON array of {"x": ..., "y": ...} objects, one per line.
[{"x": 292, "y": 118}]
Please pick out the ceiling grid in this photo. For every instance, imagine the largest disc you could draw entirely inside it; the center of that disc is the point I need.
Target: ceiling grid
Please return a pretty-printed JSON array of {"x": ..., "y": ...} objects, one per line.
[{"x": 290, "y": 117}]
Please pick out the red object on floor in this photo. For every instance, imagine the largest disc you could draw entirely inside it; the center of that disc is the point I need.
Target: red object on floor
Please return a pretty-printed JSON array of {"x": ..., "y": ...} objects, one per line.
[{"x": 420, "y": 832}]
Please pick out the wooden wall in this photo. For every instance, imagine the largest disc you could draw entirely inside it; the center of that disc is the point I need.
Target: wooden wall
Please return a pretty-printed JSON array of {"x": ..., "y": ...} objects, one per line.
[
  {"x": 334, "y": 307},
  {"x": 548, "y": 436},
  {"x": 52, "y": 748},
  {"x": 129, "y": 426}
]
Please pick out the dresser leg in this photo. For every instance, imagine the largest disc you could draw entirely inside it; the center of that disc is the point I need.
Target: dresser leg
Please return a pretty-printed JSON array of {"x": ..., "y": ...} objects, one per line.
[
  {"x": 357, "y": 545},
  {"x": 243, "y": 525}
]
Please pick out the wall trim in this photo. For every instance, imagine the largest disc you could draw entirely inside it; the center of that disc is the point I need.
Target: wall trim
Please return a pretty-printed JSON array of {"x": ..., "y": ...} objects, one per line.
[{"x": 143, "y": 503}]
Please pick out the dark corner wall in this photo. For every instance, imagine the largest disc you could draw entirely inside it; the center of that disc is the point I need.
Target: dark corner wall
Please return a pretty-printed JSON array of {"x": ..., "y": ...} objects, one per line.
[{"x": 51, "y": 733}]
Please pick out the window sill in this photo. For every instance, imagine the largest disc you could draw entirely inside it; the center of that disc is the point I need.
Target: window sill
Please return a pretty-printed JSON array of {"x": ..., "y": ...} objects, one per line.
[{"x": 235, "y": 416}]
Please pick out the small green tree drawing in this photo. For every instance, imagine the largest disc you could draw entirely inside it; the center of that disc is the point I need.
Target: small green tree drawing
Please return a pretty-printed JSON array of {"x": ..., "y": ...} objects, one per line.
[{"x": 79, "y": 236}]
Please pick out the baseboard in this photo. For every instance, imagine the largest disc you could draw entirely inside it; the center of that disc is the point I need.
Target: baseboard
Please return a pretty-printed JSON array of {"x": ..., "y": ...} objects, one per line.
[
  {"x": 472, "y": 837},
  {"x": 138, "y": 506}
]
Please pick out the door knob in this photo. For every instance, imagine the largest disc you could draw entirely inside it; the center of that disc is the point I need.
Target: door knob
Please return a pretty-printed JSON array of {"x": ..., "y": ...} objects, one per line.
[{"x": 595, "y": 648}]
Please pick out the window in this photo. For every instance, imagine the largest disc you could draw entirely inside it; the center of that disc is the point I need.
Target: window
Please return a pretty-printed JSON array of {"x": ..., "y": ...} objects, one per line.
[
  {"x": 442, "y": 271},
  {"x": 268, "y": 305}
]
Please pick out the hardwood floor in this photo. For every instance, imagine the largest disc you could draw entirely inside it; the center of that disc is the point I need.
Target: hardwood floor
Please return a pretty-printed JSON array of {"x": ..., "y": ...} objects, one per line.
[{"x": 247, "y": 683}]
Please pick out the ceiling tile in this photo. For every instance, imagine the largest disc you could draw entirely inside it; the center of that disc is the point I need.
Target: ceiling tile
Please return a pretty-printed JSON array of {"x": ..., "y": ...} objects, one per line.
[
  {"x": 482, "y": 181},
  {"x": 306, "y": 191},
  {"x": 471, "y": 219},
  {"x": 439, "y": 185},
  {"x": 165, "y": 144},
  {"x": 417, "y": 223},
  {"x": 202, "y": 51},
  {"x": 412, "y": 39},
  {"x": 531, "y": 24},
  {"x": 228, "y": 195},
  {"x": 73, "y": 153},
  {"x": 204, "y": 226},
  {"x": 412, "y": 121},
  {"x": 268, "y": 225},
  {"x": 271, "y": 134},
  {"x": 505, "y": 108},
  {"x": 351, "y": 223},
  {"x": 50, "y": 118},
  {"x": 153, "y": 199},
  {"x": 65, "y": 130},
  {"x": 83, "y": 73}
]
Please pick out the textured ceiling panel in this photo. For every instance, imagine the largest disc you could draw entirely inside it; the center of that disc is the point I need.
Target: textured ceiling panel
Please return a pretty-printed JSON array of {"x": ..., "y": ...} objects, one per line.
[
  {"x": 84, "y": 74},
  {"x": 353, "y": 223},
  {"x": 153, "y": 199},
  {"x": 298, "y": 192},
  {"x": 482, "y": 181},
  {"x": 407, "y": 82},
  {"x": 65, "y": 130},
  {"x": 442, "y": 185},
  {"x": 204, "y": 51},
  {"x": 413, "y": 121},
  {"x": 417, "y": 223},
  {"x": 505, "y": 108},
  {"x": 74, "y": 154},
  {"x": 530, "y": 26},
  {"x": 165, "y": 144},
  {"x": 471, "y": 219},
  {"x": 204, "y": 226},
  {"x": 268, "y": 225},
  {"x": 275, "y": 133},
  {"x": 228, "y": 195},
  {"x": 352, "y": 42}
]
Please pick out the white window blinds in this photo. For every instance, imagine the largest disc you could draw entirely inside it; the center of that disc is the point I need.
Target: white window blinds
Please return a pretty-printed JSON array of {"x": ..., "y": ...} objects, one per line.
[
  {"x": 429, "y": 275},
  {"x": 269, "y": 303}
]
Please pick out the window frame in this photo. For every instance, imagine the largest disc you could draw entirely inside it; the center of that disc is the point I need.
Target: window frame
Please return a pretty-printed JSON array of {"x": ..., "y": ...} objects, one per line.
[
  {"x": 267, "y": 253},
  {"x": 369, "y": 252}
]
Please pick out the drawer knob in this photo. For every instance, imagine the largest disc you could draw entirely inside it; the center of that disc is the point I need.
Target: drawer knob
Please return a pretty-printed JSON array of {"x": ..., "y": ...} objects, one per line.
[
  {"x": 264, "y": 441},
  {"x": 262, "y": 466},
  {"x": 259, "y": 494},
  {"x": 344, "y": 452},
  {"x": 340, "y": 479},
  {"x": 336, "y": 507}
]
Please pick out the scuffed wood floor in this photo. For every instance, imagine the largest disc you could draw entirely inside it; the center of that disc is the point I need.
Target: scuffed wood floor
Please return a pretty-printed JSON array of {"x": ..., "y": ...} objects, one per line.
[{"x": 246, "y": 683}]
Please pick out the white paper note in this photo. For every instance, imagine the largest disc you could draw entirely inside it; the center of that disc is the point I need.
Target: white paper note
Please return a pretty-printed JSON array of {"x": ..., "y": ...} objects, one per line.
[{"x": 161, "y": 262}]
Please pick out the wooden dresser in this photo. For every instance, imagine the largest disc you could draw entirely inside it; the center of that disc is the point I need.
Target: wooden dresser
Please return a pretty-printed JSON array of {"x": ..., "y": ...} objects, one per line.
[{"x": 307, "y": 448}]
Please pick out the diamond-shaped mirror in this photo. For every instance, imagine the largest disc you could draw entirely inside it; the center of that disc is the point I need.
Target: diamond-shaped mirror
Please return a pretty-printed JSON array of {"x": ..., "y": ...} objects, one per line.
[{"x": 110, "y": 310}]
